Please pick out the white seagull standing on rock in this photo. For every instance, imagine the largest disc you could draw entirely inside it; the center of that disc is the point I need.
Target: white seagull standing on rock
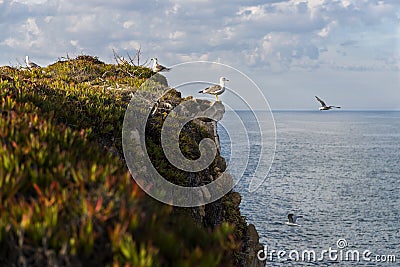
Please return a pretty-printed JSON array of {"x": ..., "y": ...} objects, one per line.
[
  {"x": 30, "y": 64},
  {"x": 323, "y": 105},
  {"x": 157, "y": 67},
  {"x": 216, "y": 89}
]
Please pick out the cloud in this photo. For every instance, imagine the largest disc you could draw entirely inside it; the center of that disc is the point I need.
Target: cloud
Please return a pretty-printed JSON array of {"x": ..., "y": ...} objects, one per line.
[
  {"x": 349, "y": 43},
  {"x": 275, "y": 35},
  {"x": 277, "y": 42}
]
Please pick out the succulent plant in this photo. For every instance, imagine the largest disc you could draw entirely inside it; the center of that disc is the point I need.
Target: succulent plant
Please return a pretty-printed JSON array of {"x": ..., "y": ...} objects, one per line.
[{"x": 66, "y": 195}]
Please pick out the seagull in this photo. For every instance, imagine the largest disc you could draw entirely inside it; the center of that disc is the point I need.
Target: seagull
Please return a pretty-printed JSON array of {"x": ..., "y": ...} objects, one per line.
[
  {"x": 216, "y": 89},
  {"x": 163, "y": 106},
  {"x": 292, "y": 220},
  {"x": 30, "y": 64},
  {"x": 157, "y": 67},
  {"x": 323, "y": 105},
  {"x": 123, "y": 61}
]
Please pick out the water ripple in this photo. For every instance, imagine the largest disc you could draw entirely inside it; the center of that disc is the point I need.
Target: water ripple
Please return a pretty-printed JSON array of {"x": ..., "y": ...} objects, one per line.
[{"x": 341, "y": 174}]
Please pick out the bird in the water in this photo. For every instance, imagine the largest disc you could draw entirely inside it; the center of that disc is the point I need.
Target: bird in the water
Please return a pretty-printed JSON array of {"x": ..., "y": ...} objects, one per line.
[
  {"x": 216, "y": 89},
  {"x": 157, "y": 67},
  {"x": 323, "y": 105},
  {"x": 292, "y": 220},
  {"x": 30, "y": 64}
]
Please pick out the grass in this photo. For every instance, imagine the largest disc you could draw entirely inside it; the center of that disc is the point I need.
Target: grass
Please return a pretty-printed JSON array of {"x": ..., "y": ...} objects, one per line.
[{"x": 66, "y": 195}]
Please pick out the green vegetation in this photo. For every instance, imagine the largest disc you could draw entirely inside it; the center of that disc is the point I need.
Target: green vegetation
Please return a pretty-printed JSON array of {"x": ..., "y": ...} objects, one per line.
[{"x": 66, "y": 196}]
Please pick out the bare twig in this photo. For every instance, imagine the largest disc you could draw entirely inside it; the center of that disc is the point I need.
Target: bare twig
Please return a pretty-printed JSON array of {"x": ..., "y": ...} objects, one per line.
[
  {"x": 135, "y": 60},
  {"x": 131, "y": 60},
  {"x": 138, "y": 54},
  {"x": 19, "y": 63},
  {"x": 116, "y": 56}
]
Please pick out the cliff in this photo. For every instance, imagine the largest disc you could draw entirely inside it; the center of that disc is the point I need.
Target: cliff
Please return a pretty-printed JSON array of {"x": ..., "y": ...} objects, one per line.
[
  {"x": 67, "y": 198},
  {"x": 222, "y": 210}
]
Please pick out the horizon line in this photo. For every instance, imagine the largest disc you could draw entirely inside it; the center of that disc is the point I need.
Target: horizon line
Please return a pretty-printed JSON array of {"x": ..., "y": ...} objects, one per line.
[{"x": 317, "y": 110}]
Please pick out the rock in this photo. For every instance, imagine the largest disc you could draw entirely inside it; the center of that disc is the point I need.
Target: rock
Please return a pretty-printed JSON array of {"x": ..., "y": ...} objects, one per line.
[
  {"x": 202, "y": 212},
  {"x": 253, "y": 246},
  {"x": 221, "y": 163},
  {"x": 205, "y": 115},
  {"x": 236, "y": 199},
  {"x": 206, "y": 194}
]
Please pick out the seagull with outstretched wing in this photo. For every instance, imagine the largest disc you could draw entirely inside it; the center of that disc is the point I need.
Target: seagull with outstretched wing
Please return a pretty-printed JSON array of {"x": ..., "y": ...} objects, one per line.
[
  {"x": 292, "y": 220},
  {"x": 323, "y": 105}
]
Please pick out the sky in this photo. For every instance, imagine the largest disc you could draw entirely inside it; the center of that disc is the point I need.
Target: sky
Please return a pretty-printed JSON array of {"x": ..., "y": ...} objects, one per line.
[{"x": 346, "y": 52}]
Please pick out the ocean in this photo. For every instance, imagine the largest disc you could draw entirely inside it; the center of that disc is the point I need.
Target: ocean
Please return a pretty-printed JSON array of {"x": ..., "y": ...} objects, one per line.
[{"x": 340, "y": 170}]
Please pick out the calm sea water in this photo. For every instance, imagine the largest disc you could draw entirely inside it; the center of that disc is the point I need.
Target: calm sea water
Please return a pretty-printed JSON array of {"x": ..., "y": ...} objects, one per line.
[{"x": 340, "y": 170}]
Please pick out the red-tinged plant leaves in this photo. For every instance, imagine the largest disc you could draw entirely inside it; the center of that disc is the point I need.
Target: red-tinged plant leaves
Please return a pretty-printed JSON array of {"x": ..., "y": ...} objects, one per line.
[
  {"x": 122, "y": 210},
  {"x": 54, "y": 185},
  {"x": 89, "y": 208},
  {"x": 13, "y": 188},
  {"x": 53, "y": 128},
  {"x": 38, "y": 191},
  {"x": 99, "y": 204},
  {"x": 14, "y": 144},
  {"x": 26, "y": 217}
]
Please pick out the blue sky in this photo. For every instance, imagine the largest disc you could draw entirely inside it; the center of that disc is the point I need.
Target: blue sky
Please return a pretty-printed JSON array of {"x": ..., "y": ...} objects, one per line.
[{"x": 347, "y": 52}]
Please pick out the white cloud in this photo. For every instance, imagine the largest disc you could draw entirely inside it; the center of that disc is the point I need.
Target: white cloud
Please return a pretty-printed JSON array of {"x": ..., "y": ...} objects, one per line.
[
  {"x": 30, "y": 2},
  {"x": 74, "y": 42},
  {"x": 251, "y": 13},
  {"x": 262, "y": 34},
  {"x": 324, "y": 32},
  {"x": 173, "y": 10},
  {"x": 48, "y": 19},
  {"x": 128, "y": 24},
  {"x": 176, "y": 35},
  {"x": 268, "y": 37},
  {"x": 346, "y": 3},
  {"x": 30, "y": 27},
  {"x": 11, "y": 42}
]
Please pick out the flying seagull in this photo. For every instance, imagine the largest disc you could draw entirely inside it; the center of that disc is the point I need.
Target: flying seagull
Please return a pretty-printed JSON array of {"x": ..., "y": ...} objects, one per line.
[
  {"x": 216, "y": 89},
  {"x": 30, "y": 64},
  {"x": 157, "y": 67},
  {"x": 292, "y": 220},
  {"x": 323, "y": 105}
]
